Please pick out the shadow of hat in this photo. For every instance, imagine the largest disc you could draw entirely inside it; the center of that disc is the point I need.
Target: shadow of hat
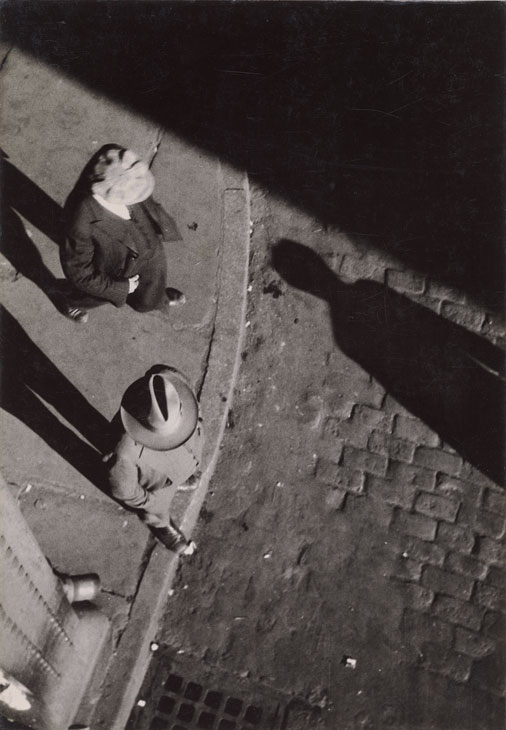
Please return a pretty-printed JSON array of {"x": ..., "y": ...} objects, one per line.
[{"x": 160, "y": 410}]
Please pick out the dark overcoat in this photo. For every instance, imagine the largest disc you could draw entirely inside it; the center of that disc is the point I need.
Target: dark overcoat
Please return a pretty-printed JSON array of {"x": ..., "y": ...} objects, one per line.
[{"x": 99, "y": 252}]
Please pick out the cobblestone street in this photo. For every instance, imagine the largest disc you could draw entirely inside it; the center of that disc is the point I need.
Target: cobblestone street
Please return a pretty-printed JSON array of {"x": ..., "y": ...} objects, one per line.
[
  {"x": 336, "y": 173},
  {"x": 347, "y": 557}
]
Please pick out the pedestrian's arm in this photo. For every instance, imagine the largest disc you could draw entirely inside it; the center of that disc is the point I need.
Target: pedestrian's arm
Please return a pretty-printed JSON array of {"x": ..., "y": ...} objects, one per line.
[
  {"x": 124, "y": 483},
  {"x": 167, "y": 225},
  {"x": 79, "y": 266},
  {"x": 125, "y": 487}
]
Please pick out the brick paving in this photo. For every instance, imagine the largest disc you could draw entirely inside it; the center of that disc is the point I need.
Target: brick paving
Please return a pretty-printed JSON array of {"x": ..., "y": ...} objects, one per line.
[
  {"x": 341, "y": 524},
  {"x": 454, "y": 526}
]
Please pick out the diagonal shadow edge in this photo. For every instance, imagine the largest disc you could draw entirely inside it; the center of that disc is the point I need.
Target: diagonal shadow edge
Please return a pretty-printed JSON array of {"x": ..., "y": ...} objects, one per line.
[
  {"x": 412, "y": 179},
  {"x": 450, "y": 378}
]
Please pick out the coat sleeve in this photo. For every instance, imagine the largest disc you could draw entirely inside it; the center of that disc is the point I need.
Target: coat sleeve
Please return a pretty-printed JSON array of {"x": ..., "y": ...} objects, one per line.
[
  {"x": 77, "y": 258},
  {"x": 124, "y": 484},
  {"x": 168, "y": 228}
]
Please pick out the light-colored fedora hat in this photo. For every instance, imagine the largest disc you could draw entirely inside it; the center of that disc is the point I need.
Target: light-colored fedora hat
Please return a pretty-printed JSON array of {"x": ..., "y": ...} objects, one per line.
[
  {"x": 120, "y": 176},
  {"x": 160, "y": 410}
]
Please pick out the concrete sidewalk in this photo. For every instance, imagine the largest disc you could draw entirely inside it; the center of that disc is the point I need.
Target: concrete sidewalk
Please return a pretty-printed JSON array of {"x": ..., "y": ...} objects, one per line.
[{"x": 51, "y": 126}]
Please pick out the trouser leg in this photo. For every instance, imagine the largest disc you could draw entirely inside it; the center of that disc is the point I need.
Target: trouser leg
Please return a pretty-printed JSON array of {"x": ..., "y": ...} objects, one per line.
[{"x": 150, "y": 293}]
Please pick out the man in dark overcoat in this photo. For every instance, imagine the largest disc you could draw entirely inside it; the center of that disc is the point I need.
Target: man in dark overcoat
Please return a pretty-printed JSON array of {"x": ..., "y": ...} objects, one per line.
[{"x": 113, "y": 249}]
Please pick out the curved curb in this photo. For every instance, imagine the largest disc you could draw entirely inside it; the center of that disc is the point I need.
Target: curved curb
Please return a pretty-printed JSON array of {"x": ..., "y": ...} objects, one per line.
[{"x": 130, "y": 661}]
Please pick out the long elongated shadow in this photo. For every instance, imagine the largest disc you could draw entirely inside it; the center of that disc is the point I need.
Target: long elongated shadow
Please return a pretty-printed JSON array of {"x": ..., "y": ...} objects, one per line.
[
  {"x": 28, "y": 373},
  {"x": 445, "y": 375},
  {"x": 20, "y": 196}
]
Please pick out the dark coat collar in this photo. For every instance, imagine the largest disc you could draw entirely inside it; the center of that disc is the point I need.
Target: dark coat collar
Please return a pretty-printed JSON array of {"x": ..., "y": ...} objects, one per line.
[{"x": 107, "y": 222}]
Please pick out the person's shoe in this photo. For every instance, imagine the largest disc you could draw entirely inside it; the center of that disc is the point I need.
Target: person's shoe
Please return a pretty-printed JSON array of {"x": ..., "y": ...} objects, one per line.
[
  {"x": 174, "y": 297},
  {"x": 173, "y": 539},
  {"x": 76, "y": 314}
]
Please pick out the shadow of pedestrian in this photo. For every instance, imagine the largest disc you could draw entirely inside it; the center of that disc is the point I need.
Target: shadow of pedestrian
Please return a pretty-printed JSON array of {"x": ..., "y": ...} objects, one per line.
[
  {"x": 21, "y": 196},
  {"x": 443, "y": 374},
  {"x": 383, "y": 119},
  {"x": 28, "y": 376}
]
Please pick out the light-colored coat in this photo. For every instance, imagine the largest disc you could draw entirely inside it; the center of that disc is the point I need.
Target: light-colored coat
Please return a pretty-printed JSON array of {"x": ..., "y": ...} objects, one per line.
[{"x": 145, "y": 480}]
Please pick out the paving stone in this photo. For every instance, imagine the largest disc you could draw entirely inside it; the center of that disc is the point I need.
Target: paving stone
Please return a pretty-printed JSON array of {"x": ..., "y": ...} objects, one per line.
[
  {"x": 467, "y": 491},
  {"x": 424, "y": 300},
  {"x": 412, "y": 429},
  {"x": 339, "y": 407},
  {"x": 466, "y": 565},
  {"x": 309, "y": 409},
  {"x": 495, "y": 501},
  {"x": 453, "y": 665},
  {"x": 410, "y": 474},
  {"x": 443, "y": 291},
  {"x": 438, "y": 460},
  {"x": 338, "y": 477},
  {"x": 500, "y": 342},
  {"x": 340, "y": 431},
  {"x": 381, "y": 512},
  {"x": 332, "y": 435},
  {"x": 335, "y": 499},
  {"x": 458, "y": 612},
  {"x": 489, "y": 596},
  {"x": 496, "y": 577},
  {"x": 370, "y": 418},
  {"x": 422, "y": 628},
  {"x": 494, "y": 625},
  {"x": 326, "y": 471},
  {"x": 395, "y": 493},
  {"x": 494, "y": 325},
  {"x": 455, "y": 537},
  {"x": 364, "y": 460},
  {"x": 405, "y": 281},
  {"x": 382, "y": 443},
  {"x": 473, "y": 644},
  {"x": 490, "y": 524},
  {"x": 406, "y": 569},
  {"x": 367, "y": 267},
  {"x": 438, "y": 507},
  {"x": 390, "y": 405},
  {"x": 415, "y": 596},
  {"x": 463, "y": 315},
  {"x": 491, "y": 551},
  {"x": 469, "y": 473},
  {"x": 350, "y": 386},
  {"x": 424, "y": 552},
  {"x": 489, "y": 672},
  {"x": 450, "y": 584},
  {"x": 416, "y": 525}
]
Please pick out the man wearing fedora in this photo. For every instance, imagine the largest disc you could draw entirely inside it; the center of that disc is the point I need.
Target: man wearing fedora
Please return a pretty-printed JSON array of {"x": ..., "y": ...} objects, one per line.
[
  {"x": 157, "y": 448},
  {"x": 114, "y": 230}
]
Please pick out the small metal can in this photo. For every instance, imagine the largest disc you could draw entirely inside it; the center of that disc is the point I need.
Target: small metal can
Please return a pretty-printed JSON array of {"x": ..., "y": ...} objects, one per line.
[{"x": 81, "y": 587}]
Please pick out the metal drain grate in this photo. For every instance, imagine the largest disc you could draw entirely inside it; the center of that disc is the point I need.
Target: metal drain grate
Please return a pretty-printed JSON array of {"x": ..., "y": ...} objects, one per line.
[
  {"x": 187, "y": 705},
  {"x": 169, "y": 700},
  {"x": 180, "y": 693}
]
